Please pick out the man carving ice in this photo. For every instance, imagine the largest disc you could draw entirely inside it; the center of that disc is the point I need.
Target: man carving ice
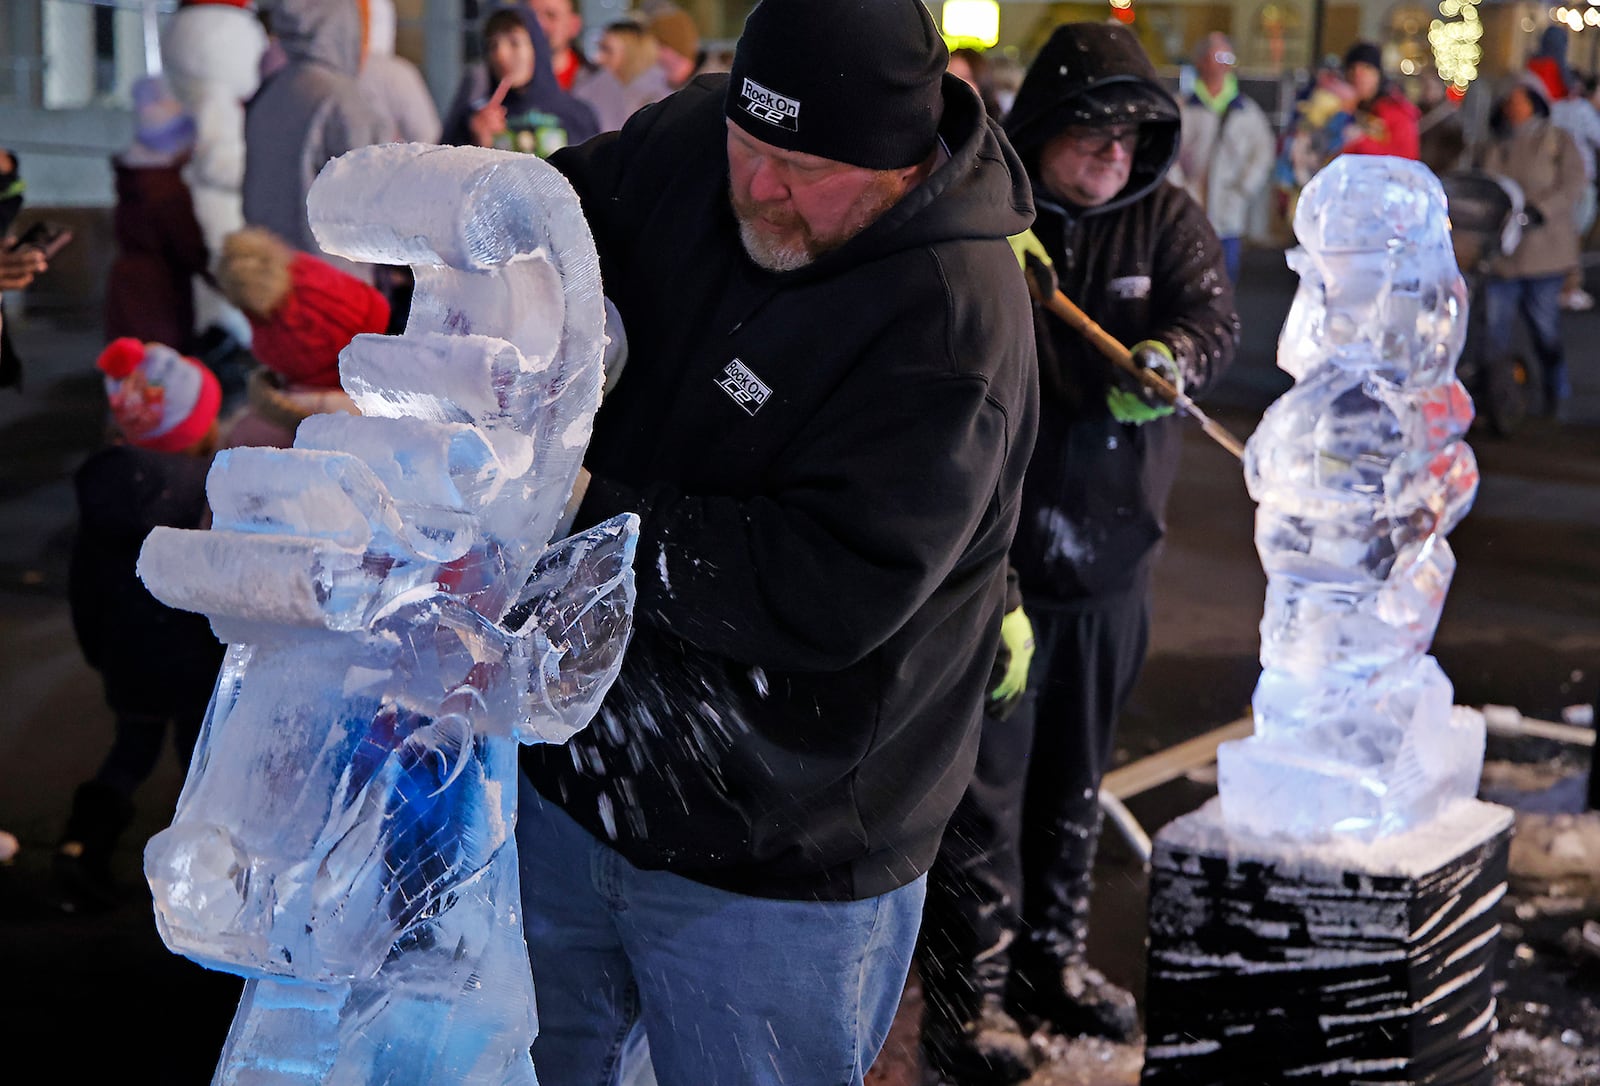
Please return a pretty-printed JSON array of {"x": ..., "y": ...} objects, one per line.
[
  {"x": 1098, "y": 134},
  {"x": 828, "y": 405}
]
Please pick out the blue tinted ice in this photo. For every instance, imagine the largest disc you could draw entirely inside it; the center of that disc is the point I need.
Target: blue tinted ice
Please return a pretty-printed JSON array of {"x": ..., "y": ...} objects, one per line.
[
  {"x": 1359, "y": 472},
  {"x": 398, "y": 620}
]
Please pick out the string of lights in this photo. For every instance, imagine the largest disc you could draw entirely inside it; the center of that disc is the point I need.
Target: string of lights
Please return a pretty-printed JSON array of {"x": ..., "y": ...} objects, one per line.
[{"x": 1454, "y": 39}]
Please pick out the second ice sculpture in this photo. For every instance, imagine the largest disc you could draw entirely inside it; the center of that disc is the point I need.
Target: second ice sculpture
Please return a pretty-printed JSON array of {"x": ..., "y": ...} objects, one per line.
[
  {"x": 397, "y": 623},
  {"x": 1359, "y": 472}
]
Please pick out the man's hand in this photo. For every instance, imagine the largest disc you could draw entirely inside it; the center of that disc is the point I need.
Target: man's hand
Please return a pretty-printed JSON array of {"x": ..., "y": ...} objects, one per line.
[
  {"x": 1008, "y": 679},
  {"x": 1138, "y": 403},
  {"x": 18, "y": 267},
  {"x": 1035, "y": 262},
  {"x": 1024, "y": 243},
  {"x": 616, "y": 352}
]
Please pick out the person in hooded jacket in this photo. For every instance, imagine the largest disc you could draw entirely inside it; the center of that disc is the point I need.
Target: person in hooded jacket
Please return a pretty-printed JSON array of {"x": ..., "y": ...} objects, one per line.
[
  {"x": 161, "y": 248},
  {"x": 515, "y": 102},
  {"x": 823, "y": 423},
  {"x": 392, "y": 84},
  {"x": 1549, "y": 62},
  {"x": 308, "y": 112},
  {"x": 1005, "y": 940},
  {"x": 1544, "y": 161}
]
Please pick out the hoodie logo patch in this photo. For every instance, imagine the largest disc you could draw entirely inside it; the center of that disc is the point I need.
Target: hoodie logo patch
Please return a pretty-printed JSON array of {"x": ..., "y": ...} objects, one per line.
[
  {"x": 770, "y": 106},
  {"x": 1129, "y": 287},
  {"x": 747, "y": 390}
]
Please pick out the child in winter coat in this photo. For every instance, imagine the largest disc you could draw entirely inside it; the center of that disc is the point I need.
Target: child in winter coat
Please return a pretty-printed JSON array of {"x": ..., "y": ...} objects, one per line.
[
  {"x": 160, "y": 249},
  {"x": 518, "y": 105},
  {"x": 302, "y": 313},
  {"x": 158, "y": 665}
]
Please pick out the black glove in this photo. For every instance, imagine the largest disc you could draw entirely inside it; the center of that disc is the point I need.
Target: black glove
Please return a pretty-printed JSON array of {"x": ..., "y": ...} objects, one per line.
[{"x": 1043, "y": 274}]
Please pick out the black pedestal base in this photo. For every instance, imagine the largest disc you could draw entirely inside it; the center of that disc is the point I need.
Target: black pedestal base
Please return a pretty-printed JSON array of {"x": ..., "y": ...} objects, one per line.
[{"x": 1332, "y": 964}]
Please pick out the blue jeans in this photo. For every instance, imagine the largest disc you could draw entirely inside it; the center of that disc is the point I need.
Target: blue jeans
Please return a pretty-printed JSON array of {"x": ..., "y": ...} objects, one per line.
[
  {"x": 1539, "y": 302},
  {"x": 1230, "y": 257},
  {"x": 730, "y": 989}
]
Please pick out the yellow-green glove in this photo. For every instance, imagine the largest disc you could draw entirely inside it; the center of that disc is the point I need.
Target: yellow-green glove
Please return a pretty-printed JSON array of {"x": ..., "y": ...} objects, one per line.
[
  {"x": 1138, "y": 403},
  {"x": 1024, "y": 243},
  {"x": 1009, "y": 678},
  {"x": 1034, "y": 261}
]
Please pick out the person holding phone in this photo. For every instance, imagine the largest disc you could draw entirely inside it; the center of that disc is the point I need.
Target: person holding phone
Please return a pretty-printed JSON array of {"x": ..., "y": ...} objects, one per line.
[
  {"x": 19, "y": 264},
  {"x": 22, "y": 259}
]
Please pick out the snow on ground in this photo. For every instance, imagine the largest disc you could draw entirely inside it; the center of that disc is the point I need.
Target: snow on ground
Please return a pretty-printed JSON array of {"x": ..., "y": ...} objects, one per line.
[
  {"x": 1087, "y": 1061},
  {"x": 1548, "y": 983}
]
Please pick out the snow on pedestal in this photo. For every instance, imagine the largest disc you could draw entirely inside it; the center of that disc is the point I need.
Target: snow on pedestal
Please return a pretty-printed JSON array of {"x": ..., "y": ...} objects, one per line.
[{"x": 1330, "y": 916}]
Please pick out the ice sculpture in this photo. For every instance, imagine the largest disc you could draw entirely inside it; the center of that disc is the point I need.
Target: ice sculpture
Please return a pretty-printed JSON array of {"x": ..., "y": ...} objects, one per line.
[
  {"x": 1359, "y": 472},
  {"x": 397, "y": 624}
]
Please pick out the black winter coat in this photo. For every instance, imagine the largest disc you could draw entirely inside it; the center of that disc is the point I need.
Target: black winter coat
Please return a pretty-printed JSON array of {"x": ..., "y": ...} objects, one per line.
[
  {"x": 1145, "y": 265},
  {"x": 827, "y": 464},
  {"x": 160, "y": 249},
  {"x": 154, "y": 660}
]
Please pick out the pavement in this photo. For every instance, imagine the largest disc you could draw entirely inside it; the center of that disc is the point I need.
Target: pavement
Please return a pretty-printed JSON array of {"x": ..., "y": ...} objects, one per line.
[{"x": 95, "y": 996}]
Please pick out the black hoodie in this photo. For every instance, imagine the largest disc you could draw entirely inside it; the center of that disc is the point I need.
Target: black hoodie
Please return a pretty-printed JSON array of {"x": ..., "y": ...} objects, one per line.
[
  {"x": 1145, "y": 265},
  {"x": 540, "y": 116},
  {"x": 827, "y": 464}
]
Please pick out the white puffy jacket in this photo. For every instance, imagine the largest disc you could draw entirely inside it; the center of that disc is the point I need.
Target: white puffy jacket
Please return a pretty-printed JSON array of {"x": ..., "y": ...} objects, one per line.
[{"x": 1224, "y": 161}]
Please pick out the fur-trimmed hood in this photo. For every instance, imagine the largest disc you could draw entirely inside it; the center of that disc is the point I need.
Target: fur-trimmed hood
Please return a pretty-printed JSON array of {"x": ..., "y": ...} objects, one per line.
[
  {"x": 302, "y": 311},
  {"x": 253, "y": 270}
]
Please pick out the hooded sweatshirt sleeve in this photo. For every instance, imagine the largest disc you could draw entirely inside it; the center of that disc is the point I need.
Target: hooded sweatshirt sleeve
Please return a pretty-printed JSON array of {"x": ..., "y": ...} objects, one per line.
[{"x": 1197, "y": 318}]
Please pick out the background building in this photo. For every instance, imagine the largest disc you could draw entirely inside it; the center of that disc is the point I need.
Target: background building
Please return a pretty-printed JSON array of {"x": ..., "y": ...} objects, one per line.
[{"x": 66, "y": 66}]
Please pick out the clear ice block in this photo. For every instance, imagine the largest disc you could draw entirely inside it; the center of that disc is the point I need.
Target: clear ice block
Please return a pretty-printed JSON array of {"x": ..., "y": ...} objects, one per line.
[
  {"x": 1359, "y": 472},
  {"x": 398, "y": 620}
]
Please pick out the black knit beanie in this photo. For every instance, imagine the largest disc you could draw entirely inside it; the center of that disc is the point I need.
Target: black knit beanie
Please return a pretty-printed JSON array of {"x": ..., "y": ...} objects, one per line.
[
  {"x": 855, "y": 81},
  {"x": 1364, "y": 52}
]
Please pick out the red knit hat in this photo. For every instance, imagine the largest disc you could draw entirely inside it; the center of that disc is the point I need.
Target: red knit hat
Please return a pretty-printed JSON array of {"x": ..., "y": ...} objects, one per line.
[
  {"x": 160, "y": 399},
  {"x": 322, "y": 312}
]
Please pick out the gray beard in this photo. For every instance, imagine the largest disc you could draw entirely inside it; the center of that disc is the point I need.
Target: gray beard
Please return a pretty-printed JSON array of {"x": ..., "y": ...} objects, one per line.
[{"x": 771, "y": 257}]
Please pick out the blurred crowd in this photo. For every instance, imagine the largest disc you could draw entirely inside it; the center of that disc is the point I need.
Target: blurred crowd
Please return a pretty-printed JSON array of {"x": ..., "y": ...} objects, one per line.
[
  {"x": 224, "y": 319},
  {"x": 224, "y": 322}
]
